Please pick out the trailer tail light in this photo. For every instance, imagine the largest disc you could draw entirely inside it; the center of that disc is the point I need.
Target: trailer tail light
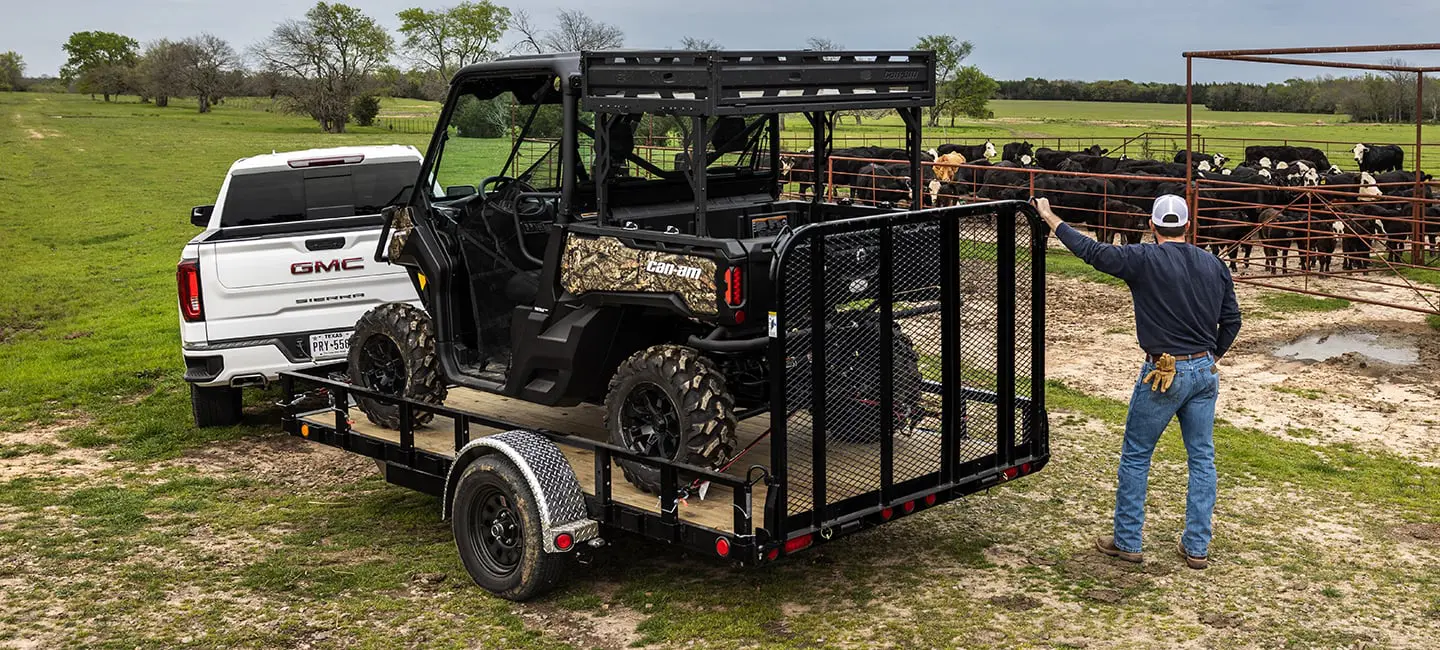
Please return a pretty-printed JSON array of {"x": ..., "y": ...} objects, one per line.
[
  {"x": 798, "y": 543},
  {"x": 734, "y": 286},
  {"x": 722, "y": 547},
  {"x": 1025, "y": 469},
  {"x": 887, "y": 513},
  {"x": 773, "y": 554},
  {"x": 909, "y": 507},
  {"x": 1012, "y": 472},
  {"x": 187, "y": 280},
  {"x": 564, "y": 541},
  {"x": 929, "y": 499}
]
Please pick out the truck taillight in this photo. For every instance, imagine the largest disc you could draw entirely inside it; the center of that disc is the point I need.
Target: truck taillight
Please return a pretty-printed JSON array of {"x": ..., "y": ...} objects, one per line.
[
  {"x": 187, "y": 279},
  {"x": 734, "y": 287}
]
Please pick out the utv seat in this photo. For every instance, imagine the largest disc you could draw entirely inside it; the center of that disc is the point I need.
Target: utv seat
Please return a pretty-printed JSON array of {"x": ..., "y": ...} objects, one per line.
[{"x": 523, "y": 287}]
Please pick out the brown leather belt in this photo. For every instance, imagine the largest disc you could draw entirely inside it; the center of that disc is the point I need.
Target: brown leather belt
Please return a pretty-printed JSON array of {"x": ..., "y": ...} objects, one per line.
[{"x": 1152, "y": 358}]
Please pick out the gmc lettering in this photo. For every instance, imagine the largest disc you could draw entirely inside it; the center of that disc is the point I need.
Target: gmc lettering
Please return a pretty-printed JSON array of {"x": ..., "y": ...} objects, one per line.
[{"x": 348, "y": 264}]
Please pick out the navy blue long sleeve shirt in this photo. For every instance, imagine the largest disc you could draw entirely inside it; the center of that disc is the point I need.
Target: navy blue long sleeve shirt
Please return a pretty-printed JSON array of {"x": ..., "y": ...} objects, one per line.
[{"x": 1184, "y": 297}]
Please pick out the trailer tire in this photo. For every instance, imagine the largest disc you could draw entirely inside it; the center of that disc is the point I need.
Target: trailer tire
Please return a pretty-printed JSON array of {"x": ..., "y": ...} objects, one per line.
[
  {"x": 392, "y": 351},
  {"x": 677, "y": 377},
  {"x": 217, "y": 406},
  {"x": 498, "y": 530}
]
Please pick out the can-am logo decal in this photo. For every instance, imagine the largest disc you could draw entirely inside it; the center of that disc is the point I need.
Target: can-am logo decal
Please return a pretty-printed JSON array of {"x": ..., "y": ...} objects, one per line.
[
  {"x": 666, "y": 268},
  {"x": 348, "y": 264}
]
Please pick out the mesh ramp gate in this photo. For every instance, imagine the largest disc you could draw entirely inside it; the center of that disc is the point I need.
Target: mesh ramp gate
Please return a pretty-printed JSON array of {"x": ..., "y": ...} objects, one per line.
[{"x": 910, "y": 358}]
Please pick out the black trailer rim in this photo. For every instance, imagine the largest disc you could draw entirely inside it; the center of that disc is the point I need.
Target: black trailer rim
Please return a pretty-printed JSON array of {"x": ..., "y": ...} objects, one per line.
[
  {"x": 496, "y": 533},
  {"x": 381, "y": 366},
  {"x": 650, "y": 421}
]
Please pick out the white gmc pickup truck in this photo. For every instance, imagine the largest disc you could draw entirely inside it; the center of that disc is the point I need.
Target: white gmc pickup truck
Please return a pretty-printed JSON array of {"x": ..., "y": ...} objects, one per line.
[{"x": 285, "y": 267}]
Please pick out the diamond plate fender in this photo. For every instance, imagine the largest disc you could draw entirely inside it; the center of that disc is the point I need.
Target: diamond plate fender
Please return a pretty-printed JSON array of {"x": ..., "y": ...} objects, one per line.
[{"x": 552, "y": 481}]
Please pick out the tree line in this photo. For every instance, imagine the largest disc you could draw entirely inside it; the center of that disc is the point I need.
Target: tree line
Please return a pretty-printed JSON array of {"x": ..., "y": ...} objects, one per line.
[
  {"x": 1386, "y": 97},
  {"x": 334, "y": 62}
]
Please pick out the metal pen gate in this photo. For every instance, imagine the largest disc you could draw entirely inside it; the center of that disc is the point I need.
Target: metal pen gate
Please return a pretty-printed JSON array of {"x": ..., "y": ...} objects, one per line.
[{"x": 911, "y": 360}]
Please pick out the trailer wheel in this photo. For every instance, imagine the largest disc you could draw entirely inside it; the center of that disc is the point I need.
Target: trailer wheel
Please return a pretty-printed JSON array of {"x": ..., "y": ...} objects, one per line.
[
  {"x": 497, "y": 527},
  {"x": 392, "y": 351},
  {"x": 218, "y": 406},
  {"x": 852, "y": 389},
  {"x": 669, "y": 402}
]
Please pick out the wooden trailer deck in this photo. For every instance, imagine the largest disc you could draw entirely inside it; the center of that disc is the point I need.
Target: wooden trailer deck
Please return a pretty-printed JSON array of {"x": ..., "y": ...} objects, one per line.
[{"x": 852, "y": 468}]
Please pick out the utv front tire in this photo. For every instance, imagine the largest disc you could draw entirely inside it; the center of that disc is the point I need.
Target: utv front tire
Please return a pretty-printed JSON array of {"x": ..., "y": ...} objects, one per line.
[
  {"x": 498, "y": 531},
  {"x": 668, "y": 401},
  {"x": 217, "y": 406},
  {"x": 392, "y": 351}
]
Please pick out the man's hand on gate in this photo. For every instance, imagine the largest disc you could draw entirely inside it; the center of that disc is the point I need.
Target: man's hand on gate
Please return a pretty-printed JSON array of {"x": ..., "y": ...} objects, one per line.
[{"x": 1042, "y": 205}]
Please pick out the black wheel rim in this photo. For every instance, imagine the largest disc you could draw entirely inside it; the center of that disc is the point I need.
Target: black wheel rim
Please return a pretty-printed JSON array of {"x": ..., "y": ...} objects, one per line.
[
  {"x": 381, "y": 367},
  {"x": 649, "y": 422},
  {"x": 497, "y": 536}
]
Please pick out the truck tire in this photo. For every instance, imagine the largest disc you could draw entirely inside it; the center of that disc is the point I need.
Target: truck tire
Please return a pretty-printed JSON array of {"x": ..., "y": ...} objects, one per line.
[
  {"x": 497, "y": 527},
  {"x": 852, "y": 388},
  {"x": 218, "y": 406},
  {"x": 392, "y": 351},
  {"x": 669, "y": 401}
]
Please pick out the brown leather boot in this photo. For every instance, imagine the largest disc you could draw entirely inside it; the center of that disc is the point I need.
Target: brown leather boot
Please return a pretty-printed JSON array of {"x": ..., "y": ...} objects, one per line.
[
  {"x": 1107, "y": 546},
  {"x": 1190, "y": 560}
]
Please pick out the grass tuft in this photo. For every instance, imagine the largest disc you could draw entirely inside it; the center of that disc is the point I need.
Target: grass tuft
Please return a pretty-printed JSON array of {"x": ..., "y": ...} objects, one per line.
[{"x": 1294, "y": 302}]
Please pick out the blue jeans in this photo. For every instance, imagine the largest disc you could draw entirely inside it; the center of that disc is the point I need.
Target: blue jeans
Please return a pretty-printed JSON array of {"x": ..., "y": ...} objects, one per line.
[{"x": 1191, "y": 398}]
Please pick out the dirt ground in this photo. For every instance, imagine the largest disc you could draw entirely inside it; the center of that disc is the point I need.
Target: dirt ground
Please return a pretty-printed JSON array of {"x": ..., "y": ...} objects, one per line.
[
  {"x": 1350, "y": 399},
  {"x": 271, "y": 541}
]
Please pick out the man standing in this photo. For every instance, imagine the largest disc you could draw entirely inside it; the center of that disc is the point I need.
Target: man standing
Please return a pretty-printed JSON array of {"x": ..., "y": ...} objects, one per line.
[{"x": 1186, "y": 318}]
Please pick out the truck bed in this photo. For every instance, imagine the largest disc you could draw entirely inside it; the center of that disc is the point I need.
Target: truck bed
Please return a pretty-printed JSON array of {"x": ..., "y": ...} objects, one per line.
[{"x": 915, "y": 454}]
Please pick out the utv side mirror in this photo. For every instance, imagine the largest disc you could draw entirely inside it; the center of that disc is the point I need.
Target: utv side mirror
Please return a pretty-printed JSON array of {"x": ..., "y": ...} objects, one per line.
[
  {"x": 457, "y": 191},
  {"x": 200, "y": 215}
]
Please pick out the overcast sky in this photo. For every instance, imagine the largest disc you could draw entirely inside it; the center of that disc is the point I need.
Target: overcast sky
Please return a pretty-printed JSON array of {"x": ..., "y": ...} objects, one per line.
[{"x": 1058, "y": 39}]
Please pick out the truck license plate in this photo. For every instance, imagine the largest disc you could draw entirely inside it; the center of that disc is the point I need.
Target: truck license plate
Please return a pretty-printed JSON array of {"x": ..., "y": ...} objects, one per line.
[{"x": 329, "y": 345}]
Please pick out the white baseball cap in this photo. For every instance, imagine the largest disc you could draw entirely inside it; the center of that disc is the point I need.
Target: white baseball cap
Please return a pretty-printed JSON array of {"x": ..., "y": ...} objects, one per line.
[{"x": 1170, "y": 211}]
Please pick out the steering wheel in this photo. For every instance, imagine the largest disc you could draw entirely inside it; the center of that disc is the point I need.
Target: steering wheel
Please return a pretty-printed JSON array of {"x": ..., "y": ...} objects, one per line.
[{"x": 516, "y": 199}]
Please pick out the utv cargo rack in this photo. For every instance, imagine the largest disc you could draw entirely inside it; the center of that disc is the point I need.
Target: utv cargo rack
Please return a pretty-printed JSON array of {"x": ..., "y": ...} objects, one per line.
[{"x": 754, "y": 82}]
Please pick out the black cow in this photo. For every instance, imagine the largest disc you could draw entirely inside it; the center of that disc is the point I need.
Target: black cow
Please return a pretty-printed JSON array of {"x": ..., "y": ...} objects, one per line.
[
  {"x": 1124, "y": 219},
  {"x": 1217, "y": 161},
  {"x": 796, "y": 169},
  {"x": 1020, "y": 153},
  {"x": 1052, "y": 158},
  {"x": 1005, "y": 181},
  {"x": 876, "y": 184},
  {"x": 1379, "y": 157},
  {"x": 1277, "y": 154},
  {"x": 972, "y": 153},
  {"x": 1282, "y": 231}
]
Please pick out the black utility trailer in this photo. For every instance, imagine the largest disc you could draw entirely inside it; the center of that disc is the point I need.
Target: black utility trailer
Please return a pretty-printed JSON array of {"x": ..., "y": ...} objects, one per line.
[{"x": 900, "y": 353}]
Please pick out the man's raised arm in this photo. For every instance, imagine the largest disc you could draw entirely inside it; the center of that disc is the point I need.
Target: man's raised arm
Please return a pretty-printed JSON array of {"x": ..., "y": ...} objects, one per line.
[{"x": 1106, "y": 258}]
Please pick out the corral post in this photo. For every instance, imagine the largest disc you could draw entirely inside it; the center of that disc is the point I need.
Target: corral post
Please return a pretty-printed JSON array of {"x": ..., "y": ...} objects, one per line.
[
  {"x": 1417, "y": 230},
  {"x": 1189, "y": 142}
]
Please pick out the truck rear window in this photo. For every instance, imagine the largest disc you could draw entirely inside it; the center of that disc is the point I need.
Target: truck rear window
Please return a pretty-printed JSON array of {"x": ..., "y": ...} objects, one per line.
[{"x": 320, "y": 193}]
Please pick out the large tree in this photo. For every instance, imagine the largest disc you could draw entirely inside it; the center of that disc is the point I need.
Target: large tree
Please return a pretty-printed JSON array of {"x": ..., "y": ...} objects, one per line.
[
  {"x": 968, "y": 94},
  {"x": 160, "y": 73},
  {"x": 699, "y": 44},
  {"x": 326, "y": 60},
  {"x": 207, "y": 64},
  {"x": 949, "y": 53},
  {"x": 445, "y": 40},
  {"x": 12, "y": 71},
  {"x": 100, "y": 61}
]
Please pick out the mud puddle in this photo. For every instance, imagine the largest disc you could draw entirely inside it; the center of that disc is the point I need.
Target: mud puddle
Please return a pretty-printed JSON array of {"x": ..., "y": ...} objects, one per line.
[{"x": 1326, "y": 346}]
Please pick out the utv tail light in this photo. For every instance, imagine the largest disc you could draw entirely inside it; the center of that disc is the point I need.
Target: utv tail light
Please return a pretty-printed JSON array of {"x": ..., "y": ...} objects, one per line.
[
  {"x": 734, "y": 287},
  {"x": 722, "y": 547},
  {"x": 187, "y": 280},
  {"x": 798, "y": 543}
]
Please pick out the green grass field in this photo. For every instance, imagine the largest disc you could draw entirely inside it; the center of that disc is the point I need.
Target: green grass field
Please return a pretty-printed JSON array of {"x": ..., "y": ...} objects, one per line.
[{"x": 130, "y": 529}]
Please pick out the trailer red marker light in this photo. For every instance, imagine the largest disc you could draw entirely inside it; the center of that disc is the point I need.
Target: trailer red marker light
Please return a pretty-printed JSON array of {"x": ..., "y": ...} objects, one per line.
[
  {"x": 798, "y": 543},
  {"x": 886, "y": 514},
  {"x": 773, "y": 554},
  {"x": 1025, "y": 469},
  {"x": 722, "y": 547},
  {"x": 909, "y": 507},
  {"x": 1012, "y": 472},
  {"x": 563, "y": 541},
  {"x": 929, "y": 499}
]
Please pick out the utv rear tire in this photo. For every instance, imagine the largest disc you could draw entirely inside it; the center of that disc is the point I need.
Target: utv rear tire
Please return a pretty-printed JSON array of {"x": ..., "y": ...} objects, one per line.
[
  {"x": 688, "y": 394},
  {"x": 392, "y": 351},
  {"x": 218, "y": 406},
  {"x": 498, "y": 531}
]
